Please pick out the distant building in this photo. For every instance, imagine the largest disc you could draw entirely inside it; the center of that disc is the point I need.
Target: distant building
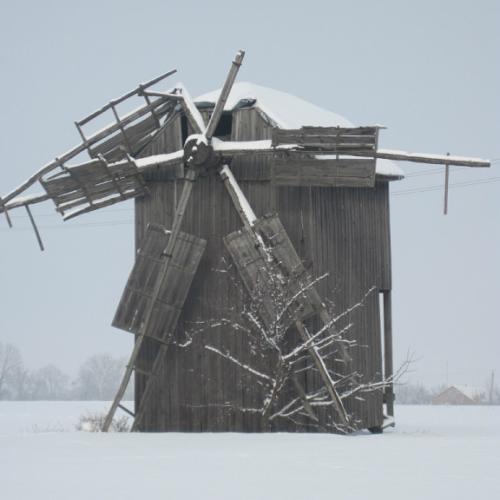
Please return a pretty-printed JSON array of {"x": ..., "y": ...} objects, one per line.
[{"x": 459, "y": 395}]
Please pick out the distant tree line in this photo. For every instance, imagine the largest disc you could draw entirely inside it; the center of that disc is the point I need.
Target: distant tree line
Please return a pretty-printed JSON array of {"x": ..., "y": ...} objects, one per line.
[
  {"x": 418, "y": 394},
  {"x": 415, "y": 394},
  {"x": 98, "y": 379}
]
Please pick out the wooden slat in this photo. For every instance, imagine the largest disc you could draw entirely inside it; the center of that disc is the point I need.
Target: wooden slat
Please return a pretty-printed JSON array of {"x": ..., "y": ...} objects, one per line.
[
  {"x": 141, "y": 88},
  {"x": 258, "y": 275},
  {"x": 95, "y": 183},
  {"x": 115, "y": 148},
  {"x": 98, "y": 193},
  {"x": 320, "y": 135},
  {"x": 333, "y": 173},
  {"x": 92, "y": 181},
  {"x": 66, "y": 190},
  {"x": 95, "y": 206},
  {"x": 182, "y": 267}
]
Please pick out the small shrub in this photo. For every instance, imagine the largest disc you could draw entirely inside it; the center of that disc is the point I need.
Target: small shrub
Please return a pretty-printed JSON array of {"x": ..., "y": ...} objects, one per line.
[
  {"x": 94, "y": 422},
  {"x": 42, "y": 429}
]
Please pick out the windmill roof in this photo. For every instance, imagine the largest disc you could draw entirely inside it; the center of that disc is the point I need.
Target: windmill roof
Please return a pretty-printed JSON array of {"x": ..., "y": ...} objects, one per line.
[{"x": 290, "y": 112}]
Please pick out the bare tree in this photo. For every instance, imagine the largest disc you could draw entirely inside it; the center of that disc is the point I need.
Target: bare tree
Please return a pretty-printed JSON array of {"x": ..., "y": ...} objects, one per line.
[
  {"x": 281, "y": 357},
  {"x": 21, "y": 384},
  {"x": 415, "y": 394},
  {"x": 10, "y": 361},
  {"x": 99, "y": 377},
  {"x": 49, "y": 383}
]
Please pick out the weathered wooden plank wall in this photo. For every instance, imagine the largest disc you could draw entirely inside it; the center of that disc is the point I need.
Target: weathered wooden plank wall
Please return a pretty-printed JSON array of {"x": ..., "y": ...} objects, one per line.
[{"x": 342, "y": 231}]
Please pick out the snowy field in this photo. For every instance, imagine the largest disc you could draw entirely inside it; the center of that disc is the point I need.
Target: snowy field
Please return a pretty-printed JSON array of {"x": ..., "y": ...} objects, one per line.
[{"x": 434, "y": 453}]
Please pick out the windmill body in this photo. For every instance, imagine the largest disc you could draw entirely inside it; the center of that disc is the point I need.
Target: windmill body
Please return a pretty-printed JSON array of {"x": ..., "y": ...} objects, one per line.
[
  {"x": 262, "y": 236},
  {"x": 342, "y": 231}
]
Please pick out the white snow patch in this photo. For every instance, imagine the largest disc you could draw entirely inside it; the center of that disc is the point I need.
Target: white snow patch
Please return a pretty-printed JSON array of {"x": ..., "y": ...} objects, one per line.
[
  {"x": 389, "y": 168},
  {"x": 434, "y": 452}
]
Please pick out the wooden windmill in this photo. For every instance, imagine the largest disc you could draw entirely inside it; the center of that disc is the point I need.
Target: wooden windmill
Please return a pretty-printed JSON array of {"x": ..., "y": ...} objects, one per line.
[{"x": 132, "y": 156}]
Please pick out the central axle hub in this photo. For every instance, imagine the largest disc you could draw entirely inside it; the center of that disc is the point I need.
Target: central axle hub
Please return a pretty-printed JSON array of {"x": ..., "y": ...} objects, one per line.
[{"x": 197, "y": 151}]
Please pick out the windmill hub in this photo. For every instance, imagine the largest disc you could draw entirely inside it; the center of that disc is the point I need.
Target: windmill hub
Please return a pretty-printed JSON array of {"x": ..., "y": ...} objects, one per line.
[{"x": 197, "y": 151}]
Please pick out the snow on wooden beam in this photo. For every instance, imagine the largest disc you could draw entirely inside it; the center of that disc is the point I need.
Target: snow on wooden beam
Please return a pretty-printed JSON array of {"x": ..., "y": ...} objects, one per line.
[
  {"x": 192, "y": 113},
  {"x": 21, "y": 201},
  {"x": 138, "y": 91},
  {"x": 461, "y": 161}
]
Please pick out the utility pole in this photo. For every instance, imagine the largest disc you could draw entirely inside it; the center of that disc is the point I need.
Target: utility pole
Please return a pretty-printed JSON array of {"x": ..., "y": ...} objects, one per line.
[{"x": 492, "y": 385}]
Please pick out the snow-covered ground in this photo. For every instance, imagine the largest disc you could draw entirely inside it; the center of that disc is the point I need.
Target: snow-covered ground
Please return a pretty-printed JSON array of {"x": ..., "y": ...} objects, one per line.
[{"x": 433, "y": 453}]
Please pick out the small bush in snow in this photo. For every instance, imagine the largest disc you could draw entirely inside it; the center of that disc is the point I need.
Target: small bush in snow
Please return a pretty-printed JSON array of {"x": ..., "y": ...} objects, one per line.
[
  {"x": 38, "y": 429},
  {"x": 94, "y": 422}
]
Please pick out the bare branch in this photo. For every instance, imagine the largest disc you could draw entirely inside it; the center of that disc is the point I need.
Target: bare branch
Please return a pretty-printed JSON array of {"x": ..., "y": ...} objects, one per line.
[
  {"x": 355, "y": 306},
  {"x": 294, "y": 297},
  {"x": 240, "y": 364}
]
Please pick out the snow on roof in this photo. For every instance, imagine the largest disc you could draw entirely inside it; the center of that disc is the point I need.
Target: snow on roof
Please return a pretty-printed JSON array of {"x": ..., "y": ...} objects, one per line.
[
  {"x": 471, "y": 392},
  {"x": 290, "y": 112},
  {"x": 286, "y": 110},
  {"x": 389, "y": 168}
]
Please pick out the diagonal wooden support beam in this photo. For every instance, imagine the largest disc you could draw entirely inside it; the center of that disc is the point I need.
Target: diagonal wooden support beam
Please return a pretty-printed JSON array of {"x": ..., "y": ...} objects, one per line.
[
  {"x": 249, "y": 219},
  {"x": 178, "y": 217},
  {"x": 192, "y": 114}
]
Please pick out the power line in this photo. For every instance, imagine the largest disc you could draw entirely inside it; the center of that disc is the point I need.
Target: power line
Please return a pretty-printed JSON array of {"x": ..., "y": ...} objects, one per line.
[
  {"x": 440, "y": 187},
  {"x": 56, "y": 214},
  {"x": 70, "y": 226},
  {"x": 432, "y": 171}
]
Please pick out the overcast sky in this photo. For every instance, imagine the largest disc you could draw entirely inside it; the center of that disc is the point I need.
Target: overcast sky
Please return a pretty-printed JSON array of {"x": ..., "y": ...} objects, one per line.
[{"x": 429, "y": 71}]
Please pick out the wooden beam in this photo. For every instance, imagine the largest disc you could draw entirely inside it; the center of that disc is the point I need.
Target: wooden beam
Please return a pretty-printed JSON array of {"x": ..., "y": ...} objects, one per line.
[
  {"x": 148, "y": 315},
  {"x": 126, "y": 410},
  {"x": 388, "y": 359},
  {"x": 226, "y": 89},
  {"x": 137, "y": 91},
  {"x": 460, "y": 161},
  {"x": 192, "y": 114},
  {"x": 446, "y": 185},
  {"x": 35, "y": 228},
  {"x": 240, "y": 201},
  {"x": 21, "y": 201},
  {"x": 303, "y": 396},
  {"x": 4, "y": 209}
]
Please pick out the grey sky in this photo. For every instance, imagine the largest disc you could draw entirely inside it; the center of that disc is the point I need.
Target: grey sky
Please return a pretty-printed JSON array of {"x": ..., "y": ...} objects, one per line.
[{"x": 427, "y": 70}]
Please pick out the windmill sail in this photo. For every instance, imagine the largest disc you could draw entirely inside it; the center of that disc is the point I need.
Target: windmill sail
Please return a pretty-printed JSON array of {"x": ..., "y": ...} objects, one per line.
[
  {"x": 259, "y": 275},
  {"x": 133, "y": 306},
  {"x": 93, "y": 185}
]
